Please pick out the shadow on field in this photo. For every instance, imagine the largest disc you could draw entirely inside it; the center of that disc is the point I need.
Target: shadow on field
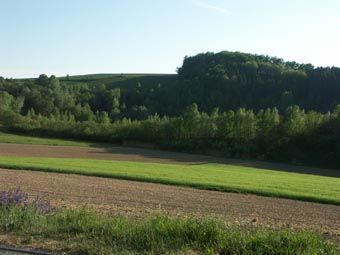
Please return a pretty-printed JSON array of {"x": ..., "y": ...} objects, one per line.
[
  {"x": 125, "y": 153},
  {"x": 158, "y": 156}
]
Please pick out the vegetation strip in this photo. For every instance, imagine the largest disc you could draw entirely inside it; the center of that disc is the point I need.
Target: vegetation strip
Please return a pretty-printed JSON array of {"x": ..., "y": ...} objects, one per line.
[
  {"x": 208, "y": 176},
  {"x": 83, "y": 232}
]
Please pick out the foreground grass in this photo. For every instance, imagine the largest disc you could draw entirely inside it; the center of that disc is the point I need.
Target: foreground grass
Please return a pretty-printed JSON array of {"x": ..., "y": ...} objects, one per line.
[
  {"x": 220, "y": 177},
  {"x": 25, "y": 139},
  {"x": 82, "y": 232}
]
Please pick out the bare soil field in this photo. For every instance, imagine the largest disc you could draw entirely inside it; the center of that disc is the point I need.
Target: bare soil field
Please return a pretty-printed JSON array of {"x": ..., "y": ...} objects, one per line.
[
  {"x": 140, "y": 199},
  {"x": 147, "y": 155}
]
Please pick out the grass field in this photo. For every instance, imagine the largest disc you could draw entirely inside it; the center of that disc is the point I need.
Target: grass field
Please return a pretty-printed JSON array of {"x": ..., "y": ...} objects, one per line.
[
  {"x": 204, "y": 176},
  {"x": 25, "y": 139}
]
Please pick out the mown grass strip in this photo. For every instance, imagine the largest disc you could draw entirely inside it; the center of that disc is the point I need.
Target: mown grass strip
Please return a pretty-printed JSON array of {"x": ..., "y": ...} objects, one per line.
[
  {"x": 83, "y": 232},
  {"x": 219, "y": 177}
]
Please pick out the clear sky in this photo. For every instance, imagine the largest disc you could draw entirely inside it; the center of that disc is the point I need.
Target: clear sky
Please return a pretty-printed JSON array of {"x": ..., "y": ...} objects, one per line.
[{"x": 153, "y": 36}]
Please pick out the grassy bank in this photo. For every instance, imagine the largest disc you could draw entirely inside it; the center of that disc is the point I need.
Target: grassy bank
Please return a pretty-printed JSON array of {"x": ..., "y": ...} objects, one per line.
[
  {"x": 82, "y": 232},
  {"x": 204, "y": 176},
  {"x": 26, "y": 139}
]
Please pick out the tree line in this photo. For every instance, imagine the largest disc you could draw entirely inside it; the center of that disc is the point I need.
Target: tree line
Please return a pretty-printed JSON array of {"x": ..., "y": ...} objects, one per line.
[{"x": 295, "y": 136}]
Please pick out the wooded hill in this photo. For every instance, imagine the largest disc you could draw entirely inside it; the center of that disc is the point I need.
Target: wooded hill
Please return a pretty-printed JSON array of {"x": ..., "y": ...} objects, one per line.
[{"x": 226, "y": 80}]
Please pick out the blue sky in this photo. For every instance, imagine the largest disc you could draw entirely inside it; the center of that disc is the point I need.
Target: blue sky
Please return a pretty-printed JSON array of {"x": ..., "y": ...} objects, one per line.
[{"x": 153, "y": 36}]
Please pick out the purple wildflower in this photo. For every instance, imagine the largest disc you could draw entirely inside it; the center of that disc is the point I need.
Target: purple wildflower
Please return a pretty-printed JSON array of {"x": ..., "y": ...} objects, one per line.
[{"x": 19, "y": 198}]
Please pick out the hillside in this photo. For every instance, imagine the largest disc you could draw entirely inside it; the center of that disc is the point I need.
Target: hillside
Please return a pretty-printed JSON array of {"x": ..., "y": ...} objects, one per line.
[{"x": 117, "y": 80}]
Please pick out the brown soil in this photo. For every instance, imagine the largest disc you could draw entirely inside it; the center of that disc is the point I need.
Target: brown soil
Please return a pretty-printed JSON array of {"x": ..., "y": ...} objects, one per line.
[
  {"x": 146, "y": 155},
  {"x": 140, "y": 199}
]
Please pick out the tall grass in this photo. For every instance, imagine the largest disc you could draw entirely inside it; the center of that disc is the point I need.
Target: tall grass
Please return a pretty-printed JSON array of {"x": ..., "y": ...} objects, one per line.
[{"x": 83, "y": 232}]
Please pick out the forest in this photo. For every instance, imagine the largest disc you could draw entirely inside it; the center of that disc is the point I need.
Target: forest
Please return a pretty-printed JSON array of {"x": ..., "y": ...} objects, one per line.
[{"x": 231, "y": 104}]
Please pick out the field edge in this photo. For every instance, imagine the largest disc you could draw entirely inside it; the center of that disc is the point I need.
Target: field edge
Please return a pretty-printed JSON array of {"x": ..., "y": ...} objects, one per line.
[{"x": 189, "y": 184}]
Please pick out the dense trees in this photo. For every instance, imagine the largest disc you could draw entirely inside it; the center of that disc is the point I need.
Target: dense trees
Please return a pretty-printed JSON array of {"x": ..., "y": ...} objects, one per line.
[
  {"x": 237, "y": 104},
  {"x": 295, "y": 136},
  {"x": 229, "y": 80}
]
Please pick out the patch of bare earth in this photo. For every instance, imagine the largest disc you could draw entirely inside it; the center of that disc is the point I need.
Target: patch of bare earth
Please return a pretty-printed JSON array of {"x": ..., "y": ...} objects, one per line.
[{"x": 144, "y": 199}]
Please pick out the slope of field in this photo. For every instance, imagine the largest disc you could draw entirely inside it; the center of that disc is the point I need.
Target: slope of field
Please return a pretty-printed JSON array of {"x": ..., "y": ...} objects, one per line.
[
  {"x": 123, "y": 81},
  {"x": 26, "y": 139},
  {"x": 145, "y": 199},
  {"x": 211, "y": 176}
]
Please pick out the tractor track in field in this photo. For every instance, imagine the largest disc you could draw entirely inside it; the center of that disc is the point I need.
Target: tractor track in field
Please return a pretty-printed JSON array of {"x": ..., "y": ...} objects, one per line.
[{"x": 140, "y": 199}]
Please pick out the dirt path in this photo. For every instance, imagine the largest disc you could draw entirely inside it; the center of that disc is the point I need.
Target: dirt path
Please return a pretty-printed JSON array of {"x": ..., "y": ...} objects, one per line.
[
  {"x": 137, "y": 198},
  {"x": 146, "y": 155}
]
